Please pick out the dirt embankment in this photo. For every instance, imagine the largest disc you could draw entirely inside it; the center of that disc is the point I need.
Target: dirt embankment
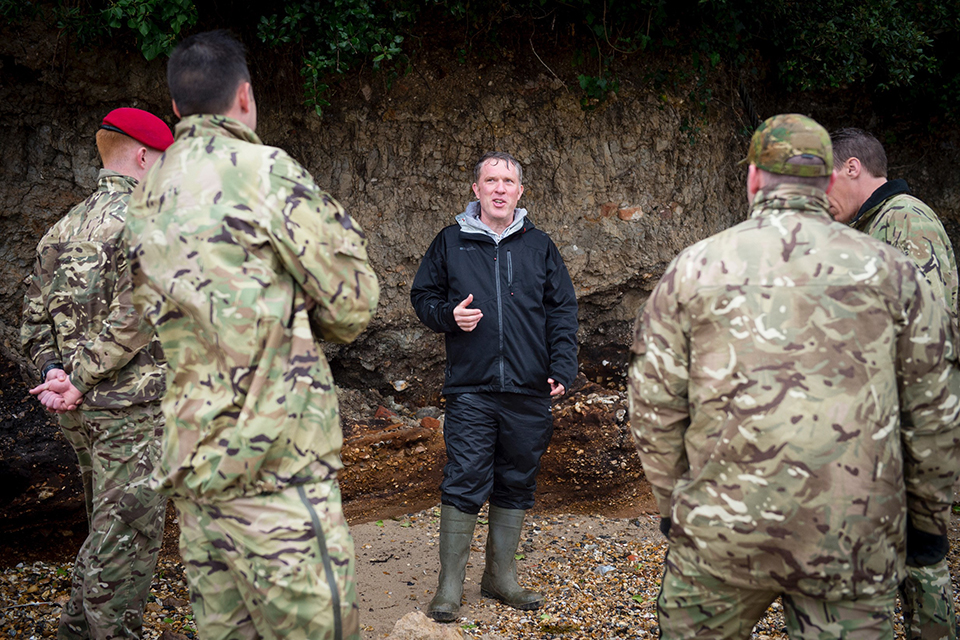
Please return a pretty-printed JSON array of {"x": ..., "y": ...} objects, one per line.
[{"x": 393, "y": 457}]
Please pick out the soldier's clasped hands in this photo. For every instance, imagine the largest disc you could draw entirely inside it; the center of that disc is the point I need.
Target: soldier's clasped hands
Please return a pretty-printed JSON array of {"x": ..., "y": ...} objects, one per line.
[{"x": 58, "y": 394}]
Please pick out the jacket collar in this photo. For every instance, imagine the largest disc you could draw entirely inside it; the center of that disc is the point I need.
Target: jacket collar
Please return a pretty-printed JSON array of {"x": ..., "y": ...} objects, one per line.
[
  {"x": 886, "y": 191},
  {"x": 470, "y": 223},
  {"x": 203, "y": 125},
  {"x": 113, "y": 182},
  {"x": 790, "y": 198}
]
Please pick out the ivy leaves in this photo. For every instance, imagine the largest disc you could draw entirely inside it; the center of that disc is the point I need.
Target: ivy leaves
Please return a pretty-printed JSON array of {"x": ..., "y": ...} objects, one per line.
[
  {"x": 339, "y": 36},
  {"x": 884, "y": 46},
  {"x": 156, "y": 23}
]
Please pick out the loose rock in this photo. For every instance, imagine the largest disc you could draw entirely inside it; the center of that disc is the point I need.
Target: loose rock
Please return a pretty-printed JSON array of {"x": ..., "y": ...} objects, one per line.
[{"x": 417, "y": 626}]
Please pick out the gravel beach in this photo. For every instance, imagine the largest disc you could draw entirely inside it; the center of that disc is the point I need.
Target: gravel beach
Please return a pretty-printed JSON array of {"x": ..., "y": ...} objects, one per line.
[{"x": 600, "y": 576}]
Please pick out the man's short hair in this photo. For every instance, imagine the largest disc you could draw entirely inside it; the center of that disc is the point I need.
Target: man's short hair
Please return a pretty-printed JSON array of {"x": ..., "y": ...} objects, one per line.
[
  {"x": 498, "y": 155},
  {"x": 851, "y": 142},
  {"x": 204, "y": 72},
  {"x": 113, "y": 146}
]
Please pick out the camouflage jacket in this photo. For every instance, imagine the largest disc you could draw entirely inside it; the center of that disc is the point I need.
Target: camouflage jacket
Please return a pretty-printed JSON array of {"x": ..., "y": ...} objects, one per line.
[
  {"x": 767, "y": 379},
  {"x": 242, "y": 264},
  {"x": 78, "y": 309},
  {"x": 894, "y": 216}
]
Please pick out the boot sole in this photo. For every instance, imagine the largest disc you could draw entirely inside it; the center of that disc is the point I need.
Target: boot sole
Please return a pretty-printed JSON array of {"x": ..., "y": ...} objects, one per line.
[
  {"x": 528, "y": 606},
  {"x": 443, "y": 616}
]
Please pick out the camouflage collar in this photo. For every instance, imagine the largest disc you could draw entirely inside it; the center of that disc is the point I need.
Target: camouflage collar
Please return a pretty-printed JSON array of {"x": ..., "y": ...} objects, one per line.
[
  {"x": 213, "y": 125},
  {"x": 883, "y": 193},
  {"x": 112, "y": 181},
  {"x": 790, "y": 198}
]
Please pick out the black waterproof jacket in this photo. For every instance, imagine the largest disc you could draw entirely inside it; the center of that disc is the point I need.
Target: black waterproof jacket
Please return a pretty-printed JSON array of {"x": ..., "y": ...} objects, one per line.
[{"x": 528, "y": 332}]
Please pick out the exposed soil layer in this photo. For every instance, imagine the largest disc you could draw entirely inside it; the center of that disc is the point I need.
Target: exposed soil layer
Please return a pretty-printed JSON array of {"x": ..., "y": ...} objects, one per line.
[
  {"x": 393, "y": 459},
  {"x": 41, "y": 498}
]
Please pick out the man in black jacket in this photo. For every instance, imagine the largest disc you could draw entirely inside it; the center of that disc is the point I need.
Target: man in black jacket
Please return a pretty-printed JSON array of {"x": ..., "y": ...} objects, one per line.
[{"x": 496, "y": 286}]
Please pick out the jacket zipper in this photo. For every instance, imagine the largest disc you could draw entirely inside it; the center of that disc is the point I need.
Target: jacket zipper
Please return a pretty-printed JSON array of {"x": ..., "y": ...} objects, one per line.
[{"x": 499, "y": 316}]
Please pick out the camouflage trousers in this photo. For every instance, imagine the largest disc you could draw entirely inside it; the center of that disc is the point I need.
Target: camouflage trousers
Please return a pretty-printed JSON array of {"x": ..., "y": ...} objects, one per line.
[
  {"x": 693, "y": 604},
  {"x": 277, "y": 566},
  {"x": 117, "y": 451},
  {"x": 926, "y": 598}
]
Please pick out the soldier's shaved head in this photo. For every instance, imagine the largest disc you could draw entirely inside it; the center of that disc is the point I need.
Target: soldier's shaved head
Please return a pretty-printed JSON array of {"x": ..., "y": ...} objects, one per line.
[
  {"x": 113, "y": 146},
  {"x": 774, "y": 179},
  {"x": 121, "y": 153}
]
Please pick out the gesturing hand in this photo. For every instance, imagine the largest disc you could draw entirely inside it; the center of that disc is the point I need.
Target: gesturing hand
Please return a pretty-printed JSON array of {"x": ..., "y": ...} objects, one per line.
[{"x": 467, "y": 319}]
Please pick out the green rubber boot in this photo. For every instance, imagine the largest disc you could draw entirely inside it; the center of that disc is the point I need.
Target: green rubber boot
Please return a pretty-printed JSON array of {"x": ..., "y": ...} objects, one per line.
[
  {"x": 500, "y": 571},
  {"x": 456, "y": 534}
]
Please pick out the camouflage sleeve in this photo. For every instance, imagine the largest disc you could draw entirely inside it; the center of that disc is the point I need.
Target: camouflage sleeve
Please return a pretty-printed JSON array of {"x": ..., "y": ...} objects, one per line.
[
  {"x": 123, "y": 334},
  {"x": 37, "y": 334},
  {"x": 658, "y": 377},
  {"x": 930, "y": 401},
  {"x": 912, "y": 227},
  {"x": 326, "y": 252}
]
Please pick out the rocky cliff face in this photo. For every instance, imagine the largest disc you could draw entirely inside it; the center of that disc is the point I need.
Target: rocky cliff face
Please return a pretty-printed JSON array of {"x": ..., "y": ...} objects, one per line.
[{"x": 619, "y": 189}]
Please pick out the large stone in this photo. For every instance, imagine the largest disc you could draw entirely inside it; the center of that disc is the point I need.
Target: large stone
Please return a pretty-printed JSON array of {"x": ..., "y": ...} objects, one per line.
[{"x": 417, "y": 626}]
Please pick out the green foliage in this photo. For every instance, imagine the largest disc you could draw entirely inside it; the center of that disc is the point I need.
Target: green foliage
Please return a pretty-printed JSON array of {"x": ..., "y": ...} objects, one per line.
[
  {"x": 623, "y": 26},
  {"x": 901, "y": 50},
  {"x": 854, "y": 43},
  {"x": 156, "y": 23},
  {"x": 886, "y": 46},
  {"x": 17, "y": 10},
  {"x": 596, "y": 89},
  {"x": 342, "y": 35},
  {"x": 892, "y": 48}
]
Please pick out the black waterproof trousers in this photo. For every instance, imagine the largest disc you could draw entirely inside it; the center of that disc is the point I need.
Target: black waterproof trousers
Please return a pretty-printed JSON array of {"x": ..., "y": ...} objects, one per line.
[{"x": 494, "y": 444}]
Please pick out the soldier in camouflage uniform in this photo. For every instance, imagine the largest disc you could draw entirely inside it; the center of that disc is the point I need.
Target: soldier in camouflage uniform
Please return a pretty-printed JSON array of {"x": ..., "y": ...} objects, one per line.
[
  {"x": 80, "y": 329},
  {"x": 863, "y": 198},
  {"x": 884, "y": 209},
  {"x": 243, "y": 265},
  {"x": 767, "y": 382}
]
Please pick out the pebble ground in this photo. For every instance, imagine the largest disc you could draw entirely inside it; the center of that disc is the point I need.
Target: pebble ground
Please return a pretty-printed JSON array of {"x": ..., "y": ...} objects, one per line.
[{"x": 597, "y": 585}]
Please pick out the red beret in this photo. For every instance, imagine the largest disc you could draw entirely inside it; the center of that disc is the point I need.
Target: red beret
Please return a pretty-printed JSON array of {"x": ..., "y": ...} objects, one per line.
[{"x": 140, "y": 125}]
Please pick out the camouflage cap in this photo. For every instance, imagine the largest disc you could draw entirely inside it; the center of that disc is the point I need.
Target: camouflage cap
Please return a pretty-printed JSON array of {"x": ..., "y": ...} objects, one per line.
[{"x": 787, "y": 136}]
